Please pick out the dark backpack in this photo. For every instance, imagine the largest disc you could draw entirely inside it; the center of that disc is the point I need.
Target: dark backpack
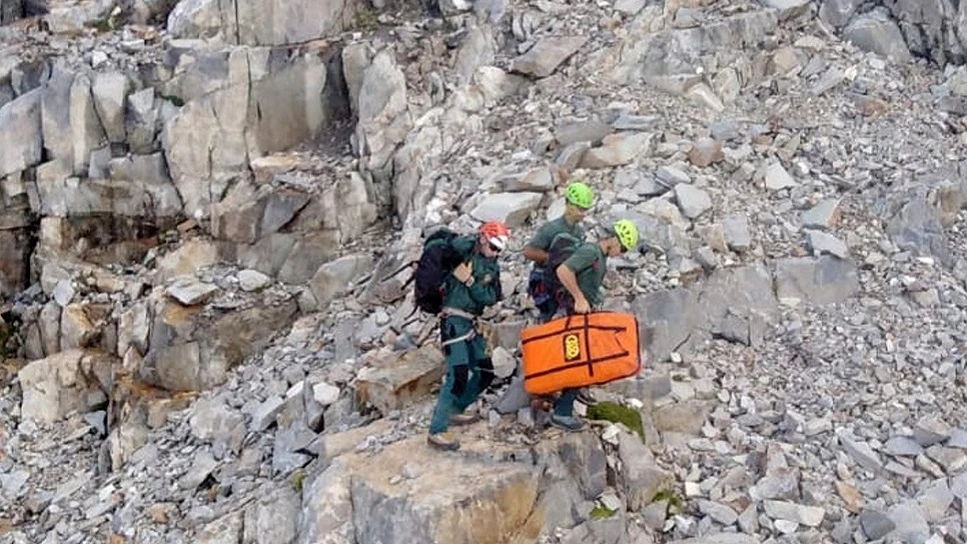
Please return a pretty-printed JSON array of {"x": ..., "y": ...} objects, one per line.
[
  {"x": 562, "y": 246},
  {"x": 437, "y": 261}
]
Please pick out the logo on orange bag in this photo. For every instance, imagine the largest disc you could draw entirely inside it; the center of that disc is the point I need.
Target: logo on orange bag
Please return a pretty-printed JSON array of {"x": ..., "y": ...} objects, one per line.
[{"x": 572, "y": 347}]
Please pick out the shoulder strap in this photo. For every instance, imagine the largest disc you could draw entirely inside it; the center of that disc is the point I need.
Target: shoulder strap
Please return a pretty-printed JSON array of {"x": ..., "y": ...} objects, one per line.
[{"x": 565, "y": 236}]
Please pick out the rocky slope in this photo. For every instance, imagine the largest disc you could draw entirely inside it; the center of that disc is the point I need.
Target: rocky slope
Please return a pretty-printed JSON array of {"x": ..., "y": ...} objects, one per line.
[{"x": 203, "y": 206}]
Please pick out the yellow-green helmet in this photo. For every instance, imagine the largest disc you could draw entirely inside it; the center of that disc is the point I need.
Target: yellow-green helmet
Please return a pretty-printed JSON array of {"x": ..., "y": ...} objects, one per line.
[
  {"x": 627, "y": 233},
  {"x": 579, "y": 194}
]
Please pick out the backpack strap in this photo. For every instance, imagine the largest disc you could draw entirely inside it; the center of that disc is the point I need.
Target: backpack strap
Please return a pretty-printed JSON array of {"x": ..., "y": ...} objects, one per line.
[
  {"x": 399, "y": 270},
  {"x": 462, "y": 338},
  {"x": 457, "y": 312}
]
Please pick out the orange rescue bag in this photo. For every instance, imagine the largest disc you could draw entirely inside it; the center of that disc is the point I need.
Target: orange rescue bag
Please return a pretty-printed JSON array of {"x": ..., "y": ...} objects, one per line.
[{"x": 580, "y": 350}]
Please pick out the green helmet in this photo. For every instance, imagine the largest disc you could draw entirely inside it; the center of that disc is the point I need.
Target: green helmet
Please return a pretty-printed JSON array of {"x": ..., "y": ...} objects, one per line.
[
  {"x": 579, "y": 194},
  {"x": 627, "y": 233}
]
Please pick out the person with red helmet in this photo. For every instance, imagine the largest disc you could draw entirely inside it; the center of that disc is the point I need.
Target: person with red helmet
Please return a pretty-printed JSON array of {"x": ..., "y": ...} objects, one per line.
[{"x": 473, "y": 286}]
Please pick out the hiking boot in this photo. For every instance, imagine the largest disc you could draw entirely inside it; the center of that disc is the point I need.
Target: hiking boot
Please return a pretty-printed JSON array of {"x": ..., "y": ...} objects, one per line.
[
  {"x": 464, "y": 418},
  {"x": 571, "y": 424},
  {"x": 443, "y": 441},
  {"x": 585, "y": 397}
]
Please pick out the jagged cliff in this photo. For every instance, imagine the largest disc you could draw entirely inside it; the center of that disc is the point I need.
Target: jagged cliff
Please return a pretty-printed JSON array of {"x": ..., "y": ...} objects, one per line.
[{"x": 202, "y": 204}]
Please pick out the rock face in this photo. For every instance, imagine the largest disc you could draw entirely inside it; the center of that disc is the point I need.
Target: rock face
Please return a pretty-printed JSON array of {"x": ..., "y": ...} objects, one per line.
[
  {"x": 20, "y": 133},
  {"x": 64, "y": 383},
  {"x": 901, "y": 28},
  {"x": 878, "y": 33},
  {"x": 183, "y": 337},
  {"x": 10, "y": 11},
  {"x": 268, "y": 22},
  {"x": 499, "y": 502},
  {"x": 17, "y": 226},
  {"x": 392, "y": 384},
  {"x": 288, "y": 228},
  {"x": 665, "y": 57},
  {"x": 80, "y": 144},
  {"x": 188, "y": 351},
  {"x": 214, "y": 136},
  {"x": 208, "y": 209},
  {"x": 493, "y": 497},
  {"x": 546, "y": 55},
  {"x": 736, "y": 304}
]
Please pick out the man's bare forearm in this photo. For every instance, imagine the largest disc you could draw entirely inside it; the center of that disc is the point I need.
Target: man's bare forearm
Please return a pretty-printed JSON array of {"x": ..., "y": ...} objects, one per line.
[
  {"x": 570, "y": 281},
  {"x": 539, "y": 256}
]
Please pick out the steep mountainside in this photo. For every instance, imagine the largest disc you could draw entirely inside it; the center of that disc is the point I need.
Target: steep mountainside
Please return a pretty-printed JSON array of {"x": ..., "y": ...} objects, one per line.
[{"x": 203, "y": 205}]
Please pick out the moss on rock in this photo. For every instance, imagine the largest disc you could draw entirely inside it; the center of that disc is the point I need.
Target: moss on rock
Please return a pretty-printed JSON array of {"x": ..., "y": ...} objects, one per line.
[
  {"x": 601, "y": 512},
  {"x": 616, "y": 413}
]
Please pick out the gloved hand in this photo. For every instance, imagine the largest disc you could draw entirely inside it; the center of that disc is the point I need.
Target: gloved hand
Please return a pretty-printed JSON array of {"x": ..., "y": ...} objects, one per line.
[{"x": 464, "y": 273}]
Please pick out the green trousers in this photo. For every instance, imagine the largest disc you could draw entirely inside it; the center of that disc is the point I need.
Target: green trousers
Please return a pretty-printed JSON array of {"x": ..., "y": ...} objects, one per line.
[{"x": 470, "y": 371}]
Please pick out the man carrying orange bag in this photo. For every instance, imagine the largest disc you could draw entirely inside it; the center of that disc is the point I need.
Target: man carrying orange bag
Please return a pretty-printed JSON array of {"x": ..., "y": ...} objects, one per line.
[
  {"x": 578, "y": 290},
  {"x": 578, "y": 199}
]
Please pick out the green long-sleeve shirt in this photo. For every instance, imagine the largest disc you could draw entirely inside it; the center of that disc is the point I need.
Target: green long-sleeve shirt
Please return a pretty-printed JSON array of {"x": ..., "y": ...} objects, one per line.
[{"x": 485, "y": 290}]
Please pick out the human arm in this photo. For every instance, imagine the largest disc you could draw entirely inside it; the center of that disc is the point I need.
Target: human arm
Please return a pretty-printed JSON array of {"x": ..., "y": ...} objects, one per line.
[
  {"x": 484, "y": 288},
  {"x": 569, "y": 280},
  {"x": 536, "y": 248},
  {"x": 462, "y": 251},
  {"x": 481, "y": 278},
  {"x": 535, "y": 254}
]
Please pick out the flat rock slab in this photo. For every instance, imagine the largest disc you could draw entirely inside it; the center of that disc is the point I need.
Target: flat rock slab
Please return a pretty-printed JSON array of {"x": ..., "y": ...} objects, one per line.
[
  {"x": 617, "y": 149},
  {"x": 511, "y": 209},
  {"x": 777, "y": 178},
  {"x": 395, "y": 382},
  {"x": 190, "y": 292},
  {"x": 542, "y": 59},
  {"x": 457, "y": 502},
  {"x": 821, "y": 281},
  {"x": 491, "y": 490}
]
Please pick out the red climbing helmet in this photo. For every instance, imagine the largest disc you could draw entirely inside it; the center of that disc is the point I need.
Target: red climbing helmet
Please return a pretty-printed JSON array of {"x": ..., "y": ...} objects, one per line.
[{"x": 496, "y": 234}]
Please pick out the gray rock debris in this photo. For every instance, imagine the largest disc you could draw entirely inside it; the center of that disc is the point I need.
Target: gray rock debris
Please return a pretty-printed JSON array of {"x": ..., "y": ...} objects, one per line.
[
  {"x": 693, "y": 201},
  {"x": 777, "y": 178},
  {"x": 823, "y": 215},
  {"x": 544, "y": 57},
  {"x": 279, "y": 446},
  {"x": 878, "y": 32}
]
